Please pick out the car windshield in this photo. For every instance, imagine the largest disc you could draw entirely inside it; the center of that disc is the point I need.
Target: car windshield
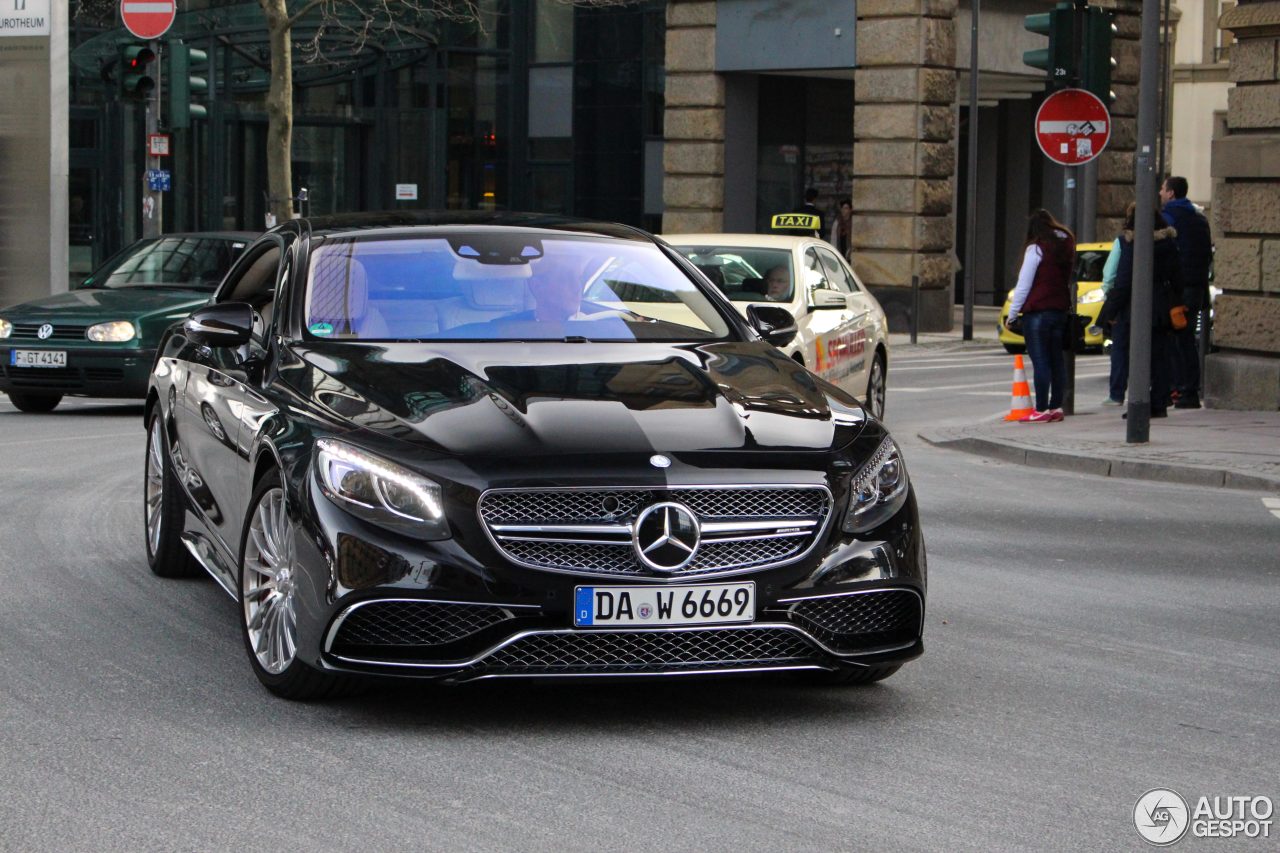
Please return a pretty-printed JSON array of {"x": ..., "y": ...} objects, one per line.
[
  {"x": 189, "y": 262},
  {"x": 502, "y": 285},
  {"x": 745, "y": 274},
  {"x": 1089, "y": 264}
]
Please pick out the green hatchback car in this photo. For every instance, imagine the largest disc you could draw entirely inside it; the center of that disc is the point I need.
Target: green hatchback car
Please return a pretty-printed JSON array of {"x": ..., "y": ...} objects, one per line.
[{"x": 99, "y": 339}]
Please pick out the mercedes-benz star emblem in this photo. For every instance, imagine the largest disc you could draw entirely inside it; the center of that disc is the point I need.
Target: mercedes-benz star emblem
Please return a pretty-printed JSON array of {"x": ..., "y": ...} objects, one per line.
[
  {"x": 44, "y": 332},
  {"x": 666, "y": 536}
]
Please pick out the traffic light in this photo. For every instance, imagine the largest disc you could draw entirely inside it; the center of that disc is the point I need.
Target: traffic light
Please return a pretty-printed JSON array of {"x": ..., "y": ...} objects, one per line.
[
  {"x": 183, "y": 84},
  {"x": 135, "y": 71},
  {"x": 1058, "y": 60},
  {"x": 1097, "y": 63}
]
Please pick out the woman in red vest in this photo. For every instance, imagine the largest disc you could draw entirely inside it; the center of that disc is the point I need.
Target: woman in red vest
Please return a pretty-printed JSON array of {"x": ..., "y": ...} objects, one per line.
[{"x": 1043, "y": 299}]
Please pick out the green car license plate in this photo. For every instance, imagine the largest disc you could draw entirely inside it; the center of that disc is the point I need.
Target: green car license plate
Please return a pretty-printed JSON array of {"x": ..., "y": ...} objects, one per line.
[{"x": 37, "y": 358}]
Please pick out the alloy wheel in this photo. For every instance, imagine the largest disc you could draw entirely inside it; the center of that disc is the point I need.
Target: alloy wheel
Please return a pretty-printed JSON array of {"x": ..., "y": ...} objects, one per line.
[
  {"x": 267, "y": 584},
  {"x": 153, "y": 488}
]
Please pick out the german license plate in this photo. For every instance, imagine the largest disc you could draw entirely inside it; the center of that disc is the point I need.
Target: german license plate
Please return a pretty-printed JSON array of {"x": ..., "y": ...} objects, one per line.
[
  {"x": 37, "y": 358},
  {"x": 701, "y": 604}
]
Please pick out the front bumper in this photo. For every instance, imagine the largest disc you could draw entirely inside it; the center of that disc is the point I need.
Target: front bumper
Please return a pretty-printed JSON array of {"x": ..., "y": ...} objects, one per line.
[
  {"x": 386, "y": 606},
  {"x": 97, "y": 372}
]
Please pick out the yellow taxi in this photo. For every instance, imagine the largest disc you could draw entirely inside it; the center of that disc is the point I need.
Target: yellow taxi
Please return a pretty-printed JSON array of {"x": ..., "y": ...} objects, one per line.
[{"x": 1090, "y": 259}]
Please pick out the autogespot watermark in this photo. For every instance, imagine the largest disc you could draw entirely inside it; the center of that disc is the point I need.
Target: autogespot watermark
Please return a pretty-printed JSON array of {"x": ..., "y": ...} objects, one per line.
[{"x": 1163, "y": 817}]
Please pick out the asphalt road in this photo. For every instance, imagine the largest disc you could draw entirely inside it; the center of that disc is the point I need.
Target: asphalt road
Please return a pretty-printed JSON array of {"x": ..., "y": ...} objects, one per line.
[{"x": 1087, "y": 639}]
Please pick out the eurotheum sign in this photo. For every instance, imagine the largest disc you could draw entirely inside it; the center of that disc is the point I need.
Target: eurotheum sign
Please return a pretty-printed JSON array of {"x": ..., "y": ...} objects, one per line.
[{"x": 24, "y": 18}]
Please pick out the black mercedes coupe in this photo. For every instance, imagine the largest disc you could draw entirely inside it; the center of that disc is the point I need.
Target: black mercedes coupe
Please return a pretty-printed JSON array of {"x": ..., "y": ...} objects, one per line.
[{"x": 475, "y": 446}]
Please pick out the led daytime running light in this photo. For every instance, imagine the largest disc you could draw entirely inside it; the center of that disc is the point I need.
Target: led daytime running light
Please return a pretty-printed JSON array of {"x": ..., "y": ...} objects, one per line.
[{"x": 380, "y": 491}]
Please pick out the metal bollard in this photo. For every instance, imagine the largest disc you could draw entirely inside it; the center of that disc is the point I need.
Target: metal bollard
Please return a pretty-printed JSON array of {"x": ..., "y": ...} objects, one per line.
[{"x": 915, "y": 307}]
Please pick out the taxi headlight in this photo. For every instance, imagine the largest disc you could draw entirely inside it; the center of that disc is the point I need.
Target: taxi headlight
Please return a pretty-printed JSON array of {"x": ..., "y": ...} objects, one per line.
[
  {"x": 6, "y": 328},
  {"x": 379, "y": 491},
  {"x": 1092, "y": 296},
  {"x": 878, "y": 490},
  {"x": 114, "y": 332}
]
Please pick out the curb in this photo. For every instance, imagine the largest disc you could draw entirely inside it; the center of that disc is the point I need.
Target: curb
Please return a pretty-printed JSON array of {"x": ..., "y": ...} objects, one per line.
[{"x": 1131, "y": 469}]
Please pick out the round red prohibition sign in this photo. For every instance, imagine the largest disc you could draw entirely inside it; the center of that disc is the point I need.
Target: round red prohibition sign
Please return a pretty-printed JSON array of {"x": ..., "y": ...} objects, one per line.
[
  {"x": 1072, "y": 127},
  {"x": 148, "y": 19}
]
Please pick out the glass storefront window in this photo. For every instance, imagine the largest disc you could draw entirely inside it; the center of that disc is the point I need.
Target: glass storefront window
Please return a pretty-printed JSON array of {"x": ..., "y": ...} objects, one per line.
[
  {"x": 553, "y": 32},
  {"x": 551, "y": 101}
]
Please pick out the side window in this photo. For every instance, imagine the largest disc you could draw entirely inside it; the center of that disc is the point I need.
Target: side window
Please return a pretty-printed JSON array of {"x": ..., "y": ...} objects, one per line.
[
  {"x": 253, "y": 280},
  {"x": 836, "y": 273},
  {"x": 814, "y": 275}
]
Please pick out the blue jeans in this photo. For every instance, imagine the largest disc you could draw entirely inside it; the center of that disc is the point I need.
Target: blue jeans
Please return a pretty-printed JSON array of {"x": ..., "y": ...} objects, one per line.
[
  {"x": 1119, "y": 359},
  {"x": 1044, "y": 331}
]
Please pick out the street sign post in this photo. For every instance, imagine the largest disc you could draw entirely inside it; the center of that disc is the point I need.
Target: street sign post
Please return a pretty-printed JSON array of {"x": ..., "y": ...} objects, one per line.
[
  {"x": 1072, "y": 127},
  {"x": 148, "y": 19},
  {"x": 159, "y": 180},
  {"x": 158, "y": 144}
]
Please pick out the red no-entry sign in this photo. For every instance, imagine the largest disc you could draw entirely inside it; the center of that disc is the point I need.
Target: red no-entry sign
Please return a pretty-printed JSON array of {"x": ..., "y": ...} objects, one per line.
[
  {"x": 148, "y": 19},
  {"x": 1072, "y": 127}
]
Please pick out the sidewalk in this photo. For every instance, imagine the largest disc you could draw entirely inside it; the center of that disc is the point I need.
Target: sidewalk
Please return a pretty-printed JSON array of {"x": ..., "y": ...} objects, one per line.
[{"x": 1205, "y": 447}]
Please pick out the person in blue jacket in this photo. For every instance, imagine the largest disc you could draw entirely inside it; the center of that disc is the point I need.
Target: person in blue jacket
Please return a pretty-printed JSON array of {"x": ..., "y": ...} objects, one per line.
[{"x": 1166, "y": 286}]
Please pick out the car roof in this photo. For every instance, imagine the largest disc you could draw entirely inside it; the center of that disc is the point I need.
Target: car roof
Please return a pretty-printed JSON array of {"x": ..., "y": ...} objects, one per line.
[
  {"x": 752, "y": 241},
  {"x": 399, "y": 221},
  {"x": 247, "y": 236}
]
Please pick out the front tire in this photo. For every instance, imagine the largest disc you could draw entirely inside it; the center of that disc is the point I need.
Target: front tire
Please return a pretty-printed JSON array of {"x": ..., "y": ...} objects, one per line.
[
  {"x": 876, "y": 383},
  {"x": 268, "y": 597},
  {"x": 35, "y": 403},
  {"x": 162, "y": 511},
  {"x": 1015, "y": 349}
]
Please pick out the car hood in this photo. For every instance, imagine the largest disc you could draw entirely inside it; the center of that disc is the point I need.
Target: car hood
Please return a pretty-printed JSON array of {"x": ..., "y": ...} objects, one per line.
[
  {"x": 528, "y": 400},
  {"x": 90, "y": 305}
]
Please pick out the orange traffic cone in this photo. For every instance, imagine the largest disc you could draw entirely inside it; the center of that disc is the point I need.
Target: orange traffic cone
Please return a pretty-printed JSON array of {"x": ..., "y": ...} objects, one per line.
[{"x": 1021, "y": 405}]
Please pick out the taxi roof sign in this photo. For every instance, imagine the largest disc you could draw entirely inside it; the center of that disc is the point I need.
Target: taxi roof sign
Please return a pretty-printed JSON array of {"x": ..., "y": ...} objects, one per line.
[{"x": 803, "y": 221}]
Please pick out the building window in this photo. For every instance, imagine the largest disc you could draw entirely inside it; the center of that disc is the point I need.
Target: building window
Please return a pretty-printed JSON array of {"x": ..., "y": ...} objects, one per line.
[{"x": 553, "y": 31}]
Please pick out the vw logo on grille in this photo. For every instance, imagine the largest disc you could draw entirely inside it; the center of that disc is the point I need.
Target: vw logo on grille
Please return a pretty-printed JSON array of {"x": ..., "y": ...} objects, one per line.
[
  {"x": 44, "y": 332},
  {"x": 666, "y": 536}
]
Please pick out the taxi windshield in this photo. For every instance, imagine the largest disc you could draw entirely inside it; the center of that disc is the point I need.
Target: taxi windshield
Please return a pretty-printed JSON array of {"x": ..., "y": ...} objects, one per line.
[
  {"x": 1089, "y": 264},
  {"x": 198, "y": 263},
  {"x": 745, "y": 274},
  {"x": 503, "y": 285}
]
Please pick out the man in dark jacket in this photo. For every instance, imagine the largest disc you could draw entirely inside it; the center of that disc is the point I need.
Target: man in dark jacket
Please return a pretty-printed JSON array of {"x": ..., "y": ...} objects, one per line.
[{"x": 1195, "y": 253}]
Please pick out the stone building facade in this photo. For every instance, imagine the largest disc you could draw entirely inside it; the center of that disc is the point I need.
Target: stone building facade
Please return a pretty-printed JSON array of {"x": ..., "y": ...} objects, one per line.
[
  {"x": 1245, "y": 372},
  {"x": 905, "y": 181}
]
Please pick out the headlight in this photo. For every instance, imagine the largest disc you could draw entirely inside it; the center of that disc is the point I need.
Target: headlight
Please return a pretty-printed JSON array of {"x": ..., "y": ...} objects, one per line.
[
  {"x": 380, "y": 492},
  {"x": 114, "y": 332},
  {"x": 1095, "y": 295},
  {"x": 6, "y": 328},
  {"x": 878, "y": 490}
]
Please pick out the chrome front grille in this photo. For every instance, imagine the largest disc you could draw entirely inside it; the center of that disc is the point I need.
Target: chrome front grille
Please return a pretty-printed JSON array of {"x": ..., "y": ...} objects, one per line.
[
  {"x": 590, "y": 531},
  {"x": 652, "y": 651},
  {"x": 862, "y": 620}
]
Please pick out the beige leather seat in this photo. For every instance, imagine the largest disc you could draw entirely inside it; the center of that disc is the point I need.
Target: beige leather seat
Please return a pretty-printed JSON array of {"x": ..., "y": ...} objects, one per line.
[
  {"x": 485, "y": 300},
  {"x": 339, "y": 297}
]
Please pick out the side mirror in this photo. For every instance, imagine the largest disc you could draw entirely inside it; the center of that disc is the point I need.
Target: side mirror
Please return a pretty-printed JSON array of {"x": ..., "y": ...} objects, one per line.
[
  {"x": 228, "y": 324},
  {"x": 825, "y": 299},
  {"x": 775, "y": 325}
]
